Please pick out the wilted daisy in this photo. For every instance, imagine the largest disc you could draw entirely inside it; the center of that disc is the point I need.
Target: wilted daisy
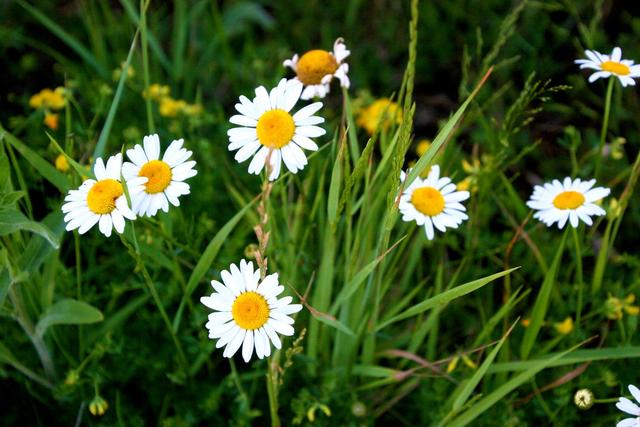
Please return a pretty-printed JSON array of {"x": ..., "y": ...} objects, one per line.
[
  {"x": 610, "y": 65},
  {"x": 269, "y": 130},
  {"x": 433, "y": 202},
  {"x": 316, "y": 68},
  {"x": 571, "y": 200},
  {"x": 101, "y": 200},
  {"x": 626, "y": 405},
  {"x": 165, "y": 177},
  {"x": 247, "y": 312}
]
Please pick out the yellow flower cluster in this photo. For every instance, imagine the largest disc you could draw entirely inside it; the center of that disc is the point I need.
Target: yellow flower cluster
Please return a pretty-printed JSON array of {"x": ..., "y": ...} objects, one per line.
[
  {"x": 616, "y": 307},
  {"x": 383, "y": 112},
  {"x": 168, "y": 106},
  {"x": 49, "y": 100}
]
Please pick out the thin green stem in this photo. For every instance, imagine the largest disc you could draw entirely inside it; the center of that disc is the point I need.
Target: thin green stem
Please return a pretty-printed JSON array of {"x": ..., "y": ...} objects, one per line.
[
  {"x": 605, "y": 127},
  {"x": 272, "y": 388},
  {"x": 145, "y": 63},
  {"x": 578, "y": 254},
  {"x": 76, "y": 241},
  {"x": 135, "y": 253}
]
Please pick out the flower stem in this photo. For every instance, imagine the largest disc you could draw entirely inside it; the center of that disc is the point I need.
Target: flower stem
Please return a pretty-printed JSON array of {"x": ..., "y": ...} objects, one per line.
[
  {"x": 605, "y": 126},
  {"x": 135, "y": 253},
  {"x": 578, "y": 255},
  {"x": 272, "y": 388}
]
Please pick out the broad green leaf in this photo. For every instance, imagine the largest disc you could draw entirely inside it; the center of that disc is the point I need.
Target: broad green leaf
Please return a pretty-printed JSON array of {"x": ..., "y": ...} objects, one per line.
[
  {"x": 44, "y": 168},
  {"x": 445, "y": 297},
  {"x": 68, "y": 312},
  {"x": 12, "y": 220}
]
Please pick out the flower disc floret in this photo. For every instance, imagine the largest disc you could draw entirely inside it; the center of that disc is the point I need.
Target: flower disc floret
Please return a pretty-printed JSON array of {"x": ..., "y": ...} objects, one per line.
[
  {"x": 158, "y": 174},
  {"x": 428, "y": 200},
  {"x": 250, "y": 310},
  {"x": 103, "y": 195},
  {"x": 275, "y": 128},
  {"x": 314, "y": 65},
  {"x": 568, "y": 200}
]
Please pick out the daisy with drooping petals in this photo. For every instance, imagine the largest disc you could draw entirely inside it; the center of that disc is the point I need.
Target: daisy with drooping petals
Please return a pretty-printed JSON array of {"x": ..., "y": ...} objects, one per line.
[
  {"x": 571, "y": 200},
  {"x": 626, "y": 405},
  {"x": 268, "y": 130},
  {"x": 102, "y": 200},
  {"x": 610, "y": 65},
  {"x": 248, "y": 312},
  {"x": 316, "y": 68},
  {"x": 433, "y": 202},
  {"x": 165, "y": 177}
]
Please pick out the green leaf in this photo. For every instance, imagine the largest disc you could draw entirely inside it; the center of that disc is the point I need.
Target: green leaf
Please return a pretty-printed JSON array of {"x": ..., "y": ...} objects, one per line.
[
  {"x": 334, "y": 323},
  {"x": 542, "y": 302},
  {"x": 68, "y": 312},
  {"x": 445, "y": 297},
  {"x": 12, "y": 220},
  {"x": 204, "y": 263},
  {"x": 43, "y": 167}
]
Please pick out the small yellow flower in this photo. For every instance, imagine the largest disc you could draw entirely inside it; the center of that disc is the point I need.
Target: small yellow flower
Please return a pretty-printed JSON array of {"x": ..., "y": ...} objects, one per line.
[
  {"x": 565, "y": 327},
  {"x": 422, "y": 147},
  {"x": 382, "y": 112},
  {"x": 525, "y": 322},
  {"x": 51, "y": 120},
  {"x": 61, "y": 163},
  {"x": 615, "y": 307},
  {"x": 466, "y": 184},
  {"x": 98, "y": 406},
  {"x": 156, "y": 92},
  {"x": 615, "y": 210},
  {"x": 170, "y": 107},
  {"x": 49, "y": 99},
  {"x": 131, "y": 72}
]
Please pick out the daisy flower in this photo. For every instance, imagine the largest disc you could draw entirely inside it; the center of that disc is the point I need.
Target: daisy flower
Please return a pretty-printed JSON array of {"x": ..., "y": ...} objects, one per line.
[
  {"x": 102, "y": 200},
  {"x": 247, "y": 312},
  {"x": 268, "y": 130},
  {"x": 316, "y": 68},
  {"x": 433, "y": 202},
  {"x": 610, "y": 65},
  {"x": 165, "y": 177},
  {"x": 571, "y": 200},
  {"x": 626, "y": 405}
]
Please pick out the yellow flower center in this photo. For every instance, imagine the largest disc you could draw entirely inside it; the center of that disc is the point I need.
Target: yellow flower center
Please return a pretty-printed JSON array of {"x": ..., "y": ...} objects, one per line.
[
  {"x": 61, "y": 163},
  {"x": 275, "y": 128},
  {"x": 428, "y": 200},
  {"x": 568, "y": 200},
  {"x": 102, "y": 196},
  {"x": 250, "y": 310},
  {"x": 314, "y": 65},
  {"x": 158, "y": 174},
  {"x": 615, "y": 68}
]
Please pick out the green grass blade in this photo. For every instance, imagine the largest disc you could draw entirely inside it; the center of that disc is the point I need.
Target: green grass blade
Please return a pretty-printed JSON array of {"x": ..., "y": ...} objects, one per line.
[
  {"x": 445, "y": 297},
  {"x": 542, "y": 302},
  {"x": 69, "y": 40},
  {"x": 491, "y": 399}
]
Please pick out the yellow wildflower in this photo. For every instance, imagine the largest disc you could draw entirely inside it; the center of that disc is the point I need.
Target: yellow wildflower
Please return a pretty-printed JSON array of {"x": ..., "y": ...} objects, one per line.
[
  {"x": 422, "y": 147},
  {"x": 615, "y": 307},
  {"x": 525, "y": 322},
  {"x": 565, "y": 327},
  {"x": 156, "y": 92},
  {"x": 465, "y": 184},
  {"x": 51, "y": 120},
  {"x": 61, "y": 163},
  {"x": 383, "y": 112},
  {"x": 170, "y": 107},
  {"x": 49, "y": 99}
]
